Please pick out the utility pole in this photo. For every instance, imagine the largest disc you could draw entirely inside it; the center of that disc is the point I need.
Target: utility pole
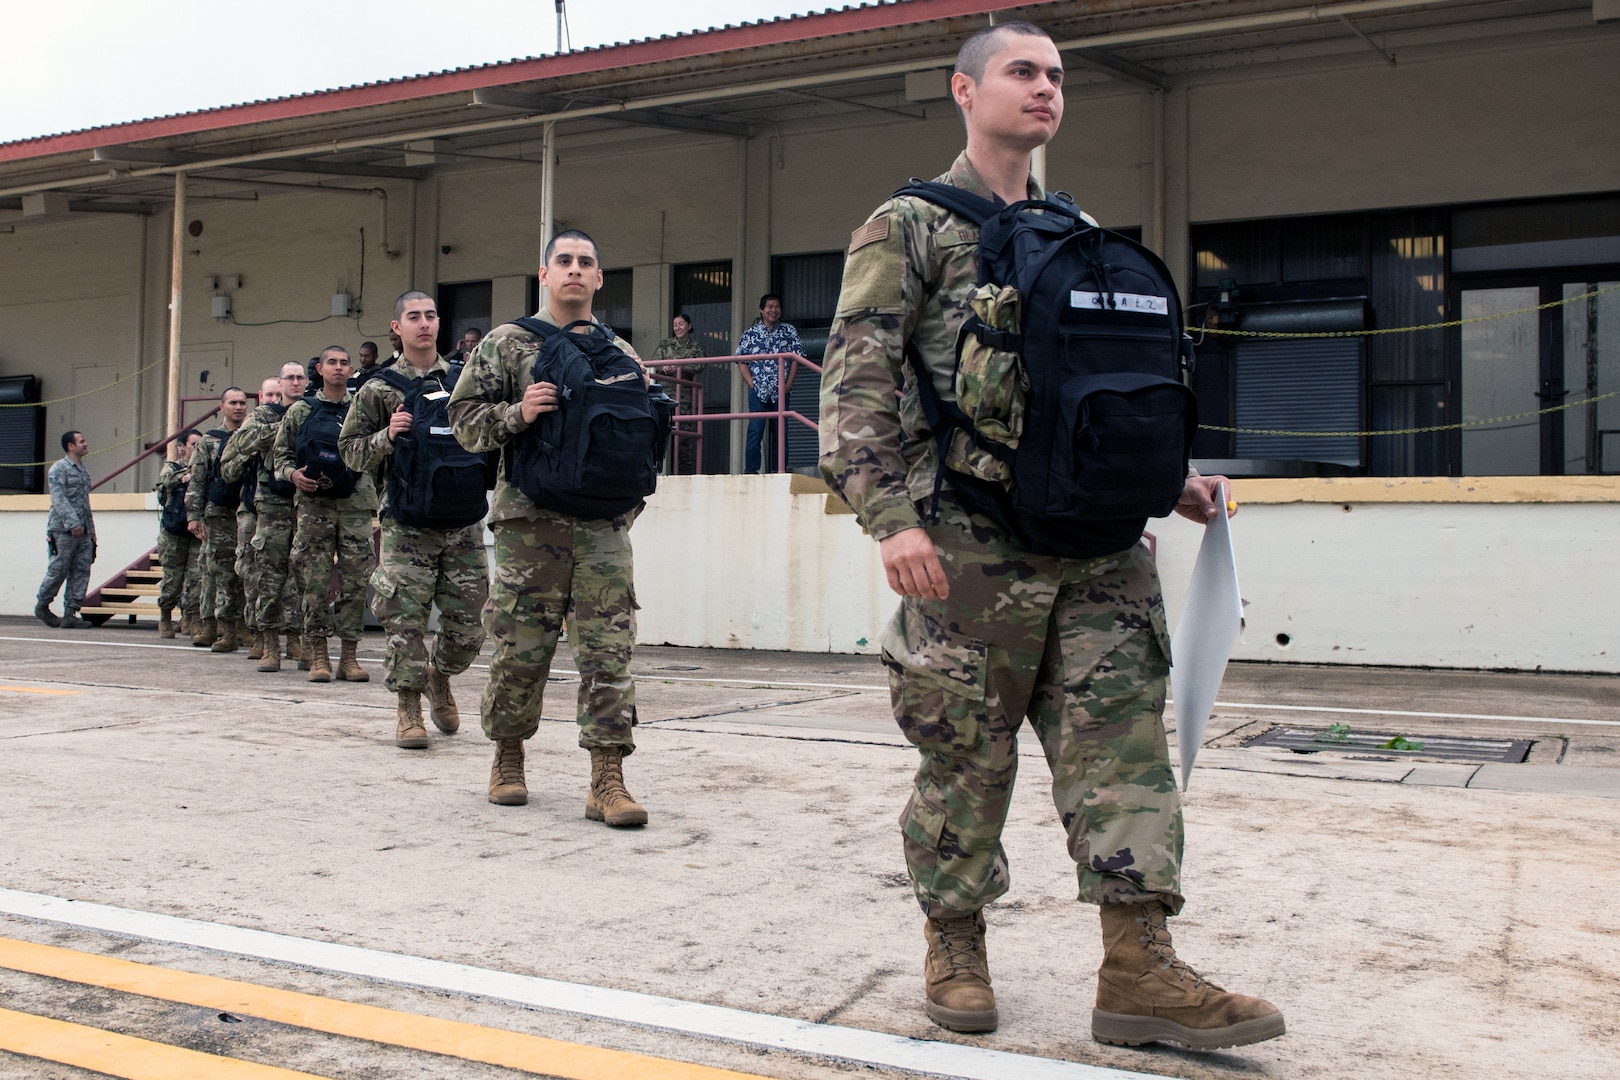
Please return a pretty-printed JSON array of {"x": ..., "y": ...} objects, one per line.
[{"x": 559, "y": 26}]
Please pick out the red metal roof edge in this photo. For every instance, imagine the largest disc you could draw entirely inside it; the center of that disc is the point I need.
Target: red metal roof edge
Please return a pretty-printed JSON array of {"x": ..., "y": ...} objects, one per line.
[{"x": 685, "y": 46}]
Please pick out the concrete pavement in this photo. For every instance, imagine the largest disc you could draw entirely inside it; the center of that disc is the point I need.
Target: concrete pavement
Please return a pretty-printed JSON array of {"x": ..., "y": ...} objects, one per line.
[{"x": 1410, "y": 917}]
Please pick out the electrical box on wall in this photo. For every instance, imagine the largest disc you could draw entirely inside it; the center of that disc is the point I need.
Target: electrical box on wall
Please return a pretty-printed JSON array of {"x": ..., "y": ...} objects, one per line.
[
  {"x": 221, "y": 306},
  {"x": 340, "y": 304},
  {"x": 233, "y": 282}
]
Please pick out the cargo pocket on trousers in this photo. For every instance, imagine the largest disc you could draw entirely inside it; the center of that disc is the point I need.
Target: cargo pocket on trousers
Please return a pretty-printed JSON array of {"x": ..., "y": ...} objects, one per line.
[
  {"x": 936, "y": 682},
  {"x": 1161, "y": 632}
]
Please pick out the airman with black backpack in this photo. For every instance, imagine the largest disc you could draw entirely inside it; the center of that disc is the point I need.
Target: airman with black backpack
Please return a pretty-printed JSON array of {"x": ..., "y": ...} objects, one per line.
[
  {"x": 176, "y": 546},
  {"x": 276, "y": 603},
  {"x": 432, "y": 521},
  {"x": 211, "y": 504},
  {"x": 335, "y": 506},
  {"x": 580, "y": 434}
]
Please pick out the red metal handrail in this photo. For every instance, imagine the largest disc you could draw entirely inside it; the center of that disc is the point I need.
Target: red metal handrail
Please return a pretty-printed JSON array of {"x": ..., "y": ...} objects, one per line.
[
  {"x": 164, "y": 443},
  {"x": 784, "y": 362}
]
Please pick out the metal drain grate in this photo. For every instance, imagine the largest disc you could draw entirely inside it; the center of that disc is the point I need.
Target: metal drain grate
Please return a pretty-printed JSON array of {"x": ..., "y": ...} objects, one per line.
[{"x": 1315, "y": 740}]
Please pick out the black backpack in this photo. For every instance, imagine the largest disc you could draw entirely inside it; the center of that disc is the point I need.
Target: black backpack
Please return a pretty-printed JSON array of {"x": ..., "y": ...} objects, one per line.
[
  {"x": 172, "y": 520},
  {"x": 220, "y": 491},
  {"x": 284, "y": 489},
  {"x": 433, "y": 481},
  {"x": 317, "y": 450},
  {"x": 1107, "y": 422},
  {"x": 597, "y": 455}
]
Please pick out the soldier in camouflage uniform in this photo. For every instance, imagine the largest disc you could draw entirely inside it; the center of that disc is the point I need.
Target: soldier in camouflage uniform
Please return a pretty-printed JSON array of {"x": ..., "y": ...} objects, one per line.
[
  {"x": 684, "y": 345},
  {"x": 550, "y": 565},
  {"x": 215, "y": 525},
  {"x": 274, "y": 599},
  {"x": 329, "y": 531},
  {"x": 234, "y": 469},
  {"x": 175, "y": 550},
  {"x": 418, "y": 567},
  {"x": 988, "y": 634}
]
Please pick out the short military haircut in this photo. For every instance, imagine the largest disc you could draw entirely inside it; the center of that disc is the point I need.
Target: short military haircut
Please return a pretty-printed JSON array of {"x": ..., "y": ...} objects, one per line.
[
  {"x": 372, "y": 345},
  {"x": 332, "y": 349},
  {"x": 229, "y": 390},
  {"x": 297, "y": 369},
  {"x": 405, "y": 298},
  {"x": 67, "y": 438},
  {"x": 767, "y": 298},
  {"x": 976, "y": 51},
  {"x": 570, "y": 234}
]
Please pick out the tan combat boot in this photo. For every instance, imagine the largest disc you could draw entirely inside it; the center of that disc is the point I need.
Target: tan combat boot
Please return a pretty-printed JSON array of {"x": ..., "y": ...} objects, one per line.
[
  {"x": 1145, "y": 993},
  {"x": 607, "y": 799},
  {"x": 255, "y": 645},
  {"x": 228, "y": 638},
  {"x": 270, "y": 651},
  {"x": 446, "y": 717},
  {"x": 506, "y": 786},
  {"x": 207, "y": 633},
  {"x": 956, "y": 974},
  {"x": 349, "y": 669},
  {"x": 318, "y": 658},
  {"x": 165, "y": 624},
  {"x": 410, "y": 734},
  {"x": 295, "y": 649},
  {"x": 190, "y": 624}
]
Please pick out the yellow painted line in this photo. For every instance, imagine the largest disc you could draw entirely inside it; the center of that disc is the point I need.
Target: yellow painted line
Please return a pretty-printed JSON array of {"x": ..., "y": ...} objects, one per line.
[
  {"x": 37, "y": 690},
  {"x": 471, "y": 1042},
  {"x": 124, "y": 1055}
]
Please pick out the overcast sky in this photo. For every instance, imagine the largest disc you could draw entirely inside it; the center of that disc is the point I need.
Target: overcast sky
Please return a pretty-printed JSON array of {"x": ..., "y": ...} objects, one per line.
[{"x": 72, "y": 65}]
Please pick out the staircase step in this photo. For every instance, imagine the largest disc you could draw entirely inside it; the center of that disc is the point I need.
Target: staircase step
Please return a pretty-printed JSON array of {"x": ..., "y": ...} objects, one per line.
[
  {"x": 143, "y": 611},
  {"x": 131, "y": 591},
  {"x": 144, "y": 575}
]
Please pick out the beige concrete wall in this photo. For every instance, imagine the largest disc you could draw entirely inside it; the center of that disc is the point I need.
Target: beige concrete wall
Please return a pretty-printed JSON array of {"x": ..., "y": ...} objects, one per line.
[
  {"x": 1479, "y": 574},
  {"x": 1488, "y": 123}
]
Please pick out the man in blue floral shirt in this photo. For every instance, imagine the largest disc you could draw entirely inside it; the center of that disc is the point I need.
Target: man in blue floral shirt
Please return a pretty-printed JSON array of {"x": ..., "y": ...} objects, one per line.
[{"x": 769, "y": 335}]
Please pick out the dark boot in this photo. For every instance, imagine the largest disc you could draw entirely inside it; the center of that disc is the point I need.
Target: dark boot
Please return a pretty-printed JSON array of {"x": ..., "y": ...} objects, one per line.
[{"x": 1145, "y": 993}]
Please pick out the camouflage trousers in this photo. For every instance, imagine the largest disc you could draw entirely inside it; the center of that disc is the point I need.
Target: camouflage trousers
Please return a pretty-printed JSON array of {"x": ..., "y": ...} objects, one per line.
[
  {"x": 1077, "y": 645},
  {"x": 181, "y": 575},
  {"x": 420, "y": 568},
  {"x": 328, "y": 536},
  {"x": 221, "y": 588},
  {"x": 546, "y": 570},
  {"x": 246, "y": 571},
  {"x": 278, "y": 595}
]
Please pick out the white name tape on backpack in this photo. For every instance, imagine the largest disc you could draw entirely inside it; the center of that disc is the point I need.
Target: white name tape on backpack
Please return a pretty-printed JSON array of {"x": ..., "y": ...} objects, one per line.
[
  {"x": 441, "y": 431},
  {"x": 1123, "y": 301},
  {"x": 435, "y": 395}
]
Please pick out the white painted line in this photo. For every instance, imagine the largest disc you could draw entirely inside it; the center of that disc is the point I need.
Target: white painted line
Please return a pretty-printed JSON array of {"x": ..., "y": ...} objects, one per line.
[
  {"x": 1421, "y": 715},
  {"x": 769, "y": 685},
  {"x": 846, "y": 1044}
]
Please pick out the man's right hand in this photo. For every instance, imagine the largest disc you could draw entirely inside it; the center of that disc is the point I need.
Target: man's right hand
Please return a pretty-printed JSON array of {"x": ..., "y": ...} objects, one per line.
[
  {"x": 540, "y": 397},
  {"x": 913, "y": 565},
  {"x": 302, "y": 482},
  {"x": 197, "y": 529}
]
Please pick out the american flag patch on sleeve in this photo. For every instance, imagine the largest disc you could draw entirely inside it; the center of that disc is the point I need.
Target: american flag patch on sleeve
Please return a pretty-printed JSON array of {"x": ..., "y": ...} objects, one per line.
[{"x": 870, "y": 233}]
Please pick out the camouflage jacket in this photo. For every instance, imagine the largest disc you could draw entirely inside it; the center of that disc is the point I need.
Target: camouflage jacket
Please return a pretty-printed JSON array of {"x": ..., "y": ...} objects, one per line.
[
  {"x": 69, "y": 483},
  {"x": 485, "y": 407},
  {"x": 675, "y": 349},
  {"x": 907, "y": 278},
  {"x": 204, "y": 467},
  {"x": 251, "y": 448},
  {"x": 286, "y": 457},
  {"x": 365, "y": 444}
]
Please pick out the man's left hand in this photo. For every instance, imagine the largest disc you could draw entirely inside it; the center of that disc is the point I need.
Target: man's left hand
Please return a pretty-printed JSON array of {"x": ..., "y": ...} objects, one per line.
[{"x": 1199, "y": 496}]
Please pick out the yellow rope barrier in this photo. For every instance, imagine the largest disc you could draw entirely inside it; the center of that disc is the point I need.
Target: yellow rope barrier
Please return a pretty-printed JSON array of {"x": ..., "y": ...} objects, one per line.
[
  {"x": 142, "y": 437},
  {"x": 74, "y": 397},
  {"x": 1407, "y": 329},
  {"x": 1413, "y": 430}
]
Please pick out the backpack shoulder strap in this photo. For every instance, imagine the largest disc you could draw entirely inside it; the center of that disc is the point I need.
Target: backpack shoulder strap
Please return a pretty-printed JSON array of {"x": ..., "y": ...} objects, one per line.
[
  {"x": 538, "y": 327},
  {"x": 965, "y": 204},
  {"x": 404, "y": 384}
]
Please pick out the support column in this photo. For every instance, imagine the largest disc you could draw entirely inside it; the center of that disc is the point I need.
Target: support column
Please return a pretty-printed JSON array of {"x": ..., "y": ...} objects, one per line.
[
  {"x": 177, "y": 255},
  {"x": 1177, "y": 184},
  {"x": 548, "y": 193}
]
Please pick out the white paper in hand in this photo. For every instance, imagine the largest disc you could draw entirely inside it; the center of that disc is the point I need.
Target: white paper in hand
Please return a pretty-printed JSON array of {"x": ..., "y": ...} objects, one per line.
[{"x": 1203, "y": 639}]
